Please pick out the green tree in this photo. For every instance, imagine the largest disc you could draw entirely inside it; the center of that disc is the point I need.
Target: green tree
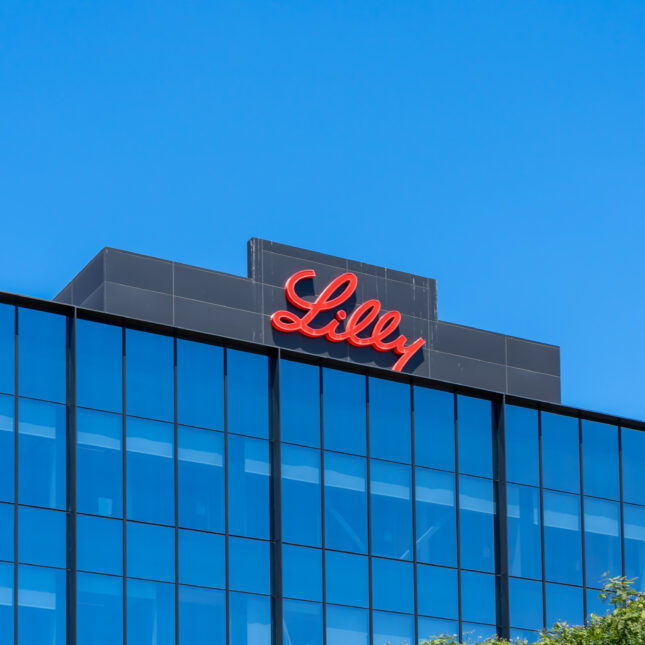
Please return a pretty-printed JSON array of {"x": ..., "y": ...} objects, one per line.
[{"x": 624, "y": 623}]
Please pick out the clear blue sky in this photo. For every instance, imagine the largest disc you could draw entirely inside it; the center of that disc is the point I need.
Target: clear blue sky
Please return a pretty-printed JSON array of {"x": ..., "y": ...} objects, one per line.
[{"x": 496, "y": 146}]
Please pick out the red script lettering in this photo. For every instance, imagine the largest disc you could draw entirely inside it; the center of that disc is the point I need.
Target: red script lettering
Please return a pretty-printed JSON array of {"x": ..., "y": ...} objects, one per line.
[{"x": 338, "y": 291}]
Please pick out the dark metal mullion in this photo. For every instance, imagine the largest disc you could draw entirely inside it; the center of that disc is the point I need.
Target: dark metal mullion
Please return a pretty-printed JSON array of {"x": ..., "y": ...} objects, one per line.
[
  {"x": 542, "y": 553},
  {"x": 227, "y": 598},
  {"x": 124, "y": 481},
  {"x": 457, "y": 506},
  {"x": 176, "y": 484},
  {"x": 71, "y": 477},
  {"x": 368, "y": 477},
  {"x": 621, "y": 528},
  {"x": 322, "y": 509},
  {"x": 15, "y": 482},
  {"x": 276, "y": 497},
  {"x": 413, "y": 497},
  {"x": 582, "y": 523}
]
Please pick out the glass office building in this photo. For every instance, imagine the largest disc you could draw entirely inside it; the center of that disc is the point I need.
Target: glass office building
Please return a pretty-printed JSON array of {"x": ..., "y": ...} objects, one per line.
[{"x": 164, "y": 487}]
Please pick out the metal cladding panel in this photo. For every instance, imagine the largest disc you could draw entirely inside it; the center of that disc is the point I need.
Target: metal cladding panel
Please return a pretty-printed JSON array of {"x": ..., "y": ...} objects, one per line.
[{"x": 160, "y": 291}]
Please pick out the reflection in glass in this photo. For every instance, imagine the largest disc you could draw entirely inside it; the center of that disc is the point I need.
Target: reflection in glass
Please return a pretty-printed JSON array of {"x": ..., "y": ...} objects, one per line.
[
  {"x": 522, "y": 451},
  {"x": 600, "y": 459},
  {"x": 344, "y": 411},
  {"x": 635, "y": 544},
  {"x": 430, "y": 628},
  {"x": 563, "y": 604},
  {"x": 345, "y": 502},
  {"x": 524, "y": 541},
  {"x": 347, "y": 579},
  {"x": 302, "y": 622},
  {"x": 347, "y": 626},
  {"x": 201, "y": 559},
  {"x": 476, "y": 524},
  {"x": 602, "y": 541},
  {"x": 33, "y": 524},
  {"x": 434, "y": 428},
  {"x": 475, "y": 436},
  {"x": 202, "y": 616},
  {"x": 150, "y": 552},
  {"x": 151, "y": 613},
  {"x": 301, "y": 516},
  {"x": 525, "y": 600},
  {"x": 436, "y": 521},
  {"x": 7, "y": 348},
  {"x": 301, "y": 573},
  {"x": 392, "y": 629},
  {"x": 633, "y": 449},
  {"x": 249, "y": 565},
  {"x": 473, "y": 633},
  {"x": 250, "y": 619},
  {"x": 562, "y": 540},
  {"x": 300, "y": 403},
  {"x": 6, "y": 600},
  {"x": 390, "y": 420},
  {"x": 560, "y": 452},
  {"x": 391, "y": 520},
  {"x": 478, "y": 597},
  {"x": 437, "y": 592},
  {"x": 99, "y": 544},
  {"x": 7, "y": 448},
  {"x": 247, "y": 389},
  {"x": 392, "y": 585},
  {"x": 6, "y": 532},
  {"x": 99, "y": 618}
]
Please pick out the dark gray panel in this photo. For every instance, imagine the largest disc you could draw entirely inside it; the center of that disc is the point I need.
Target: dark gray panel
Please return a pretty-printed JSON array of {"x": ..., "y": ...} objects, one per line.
[
  {"x": 96, "y": 300},
  {"x": 138, "y": 271},
  {"x": 533, "y": 356},
  {"x": 277, "y": 268},
  {"x": 142, "y": 304},
  {"x": 216, "y": 288},
  {"x": 215, "y": 319},
  {"x": 407, "y": 298},
  {"x": 304, "y": 254},
  {"x": 467, "y": 371},
  {"x": 533, "y": 385},
  {"x": 466, "y": 341},
  {"x": 86, "y": 282},
  {"x": 65, "y": 295}
]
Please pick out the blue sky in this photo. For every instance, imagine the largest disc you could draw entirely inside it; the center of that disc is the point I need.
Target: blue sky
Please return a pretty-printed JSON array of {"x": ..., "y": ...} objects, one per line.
[{"x": 497, "y": 147}]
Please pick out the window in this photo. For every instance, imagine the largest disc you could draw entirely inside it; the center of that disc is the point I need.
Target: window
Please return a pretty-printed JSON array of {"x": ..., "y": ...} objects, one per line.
[
  {"x": 7, "y": 348},
  {"x": 347, "y": 579},
  {"x": 250, "y": 619},
  {"x": 150, "y": 472},
  {"x": 33, "y": 524},
  {"x": 41, "y": 432},
  {"x": 475, "y": 434},
  {"x": 151, "y": 612},
  {"x": 478, "y": 597},
  {"x": 476, "y": 525},
  {"x": 248, "y": 393},
  {"x": 248, "y": 487},
  {"x": 344, "y": 411},
  {"x": 300, "y": 403},
  {"x": 347, "y": 626},
  {"x": 99, "y": 463},
  {"x": 150, "y": 552},
  {"x": 345, "y": 503},
  {"x": 149, "y": 375},
  {"x": 434, "y": 428},
  {"x": 600, "y": 460},
  {"x": 522, "y": 451},
  {"x": 560, "y": 452},
  {"x": 390, "y": 490},
  {"x": 7, "y": 448},
  {"x": 390, "y": 420},
  {"x": 200, "y": 385},
  {"x": 633, "y": 449},
  {"x": 301, "y": 573},
  {"x": 564, "y": 603},
  {"x": 99, "y": 544},
  {"x": 526, "y": 604},
  {"x": 6, "y": 532},
  {"x": 602, "y": 541},
  {"x": 99, "y": 619},
  {"x": 201, "y": 559},
  {"x": 302, "y": 623},
  {"x": 301, "y": 517},
  {"x": 6, "y": 600},
  {"x": 249, "y": 565},
  {"x": 635, "y": 544},
  {"x": 437, "y": 591},
  {"x": 392, "y": 585},
  {"x": 562, "y": 539},
  {"x": 201, "y": 484},
  {"x": 524, "y": 540},
  {"x": 41, "y": 355},
  {"x": 99, "y": 366},
  {"x": 436, "y": 519},
  {"x": 202, "y": 616},
  {"x": 392, "y": 629},
  {"x": 430, "y": 628}
]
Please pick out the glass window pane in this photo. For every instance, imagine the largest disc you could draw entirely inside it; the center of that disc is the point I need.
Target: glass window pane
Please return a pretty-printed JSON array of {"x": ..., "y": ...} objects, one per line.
[
  {"x": 248, "y": 487},
  {"x": 250, "y": 619},
  {"x": 633, "y": 449},
  {"x": 150, "y": 471},
  {"x": 434, "y": 428},
  {"x": 150, "y": 552},
  {"x": 563, "y": 604},
  {"x": 560, "y": 452},
  {"x": 247, "y": 389},
  {"x": 302, "y": 623},
  {"x": 522, "y": 450},
  {"x": 392, "y": 585},
  {"x": 436, "y": 517},
  {"x": 33, "y": 524},
  {"x": 562, "y": 540},
  {"x": 99, "y": 619},
  {"x": 300, "y": 403},
  {"x": 595, "y": 605},
  {"x": 99, "y": 463},
  {"x": 344, "y": 411},
  {"x": 345, "y": 502},
  {"x": 99, "y": 544},
  {"x": 478, "y": 597},
  {"x": 437, "y": 592},
  {"x": 602, "y": 541},
  {"x": 6, "y": 532},
  {"x": 390, "y": 420},
  {"x": 476, "y": 524},
  {"x": 390, "y": 490},
  {"x": 474, "y": 633},
  {"x": 41, "y": 432},
  {"x": 430, "y": 628},
  {"x": 151, "y": 613},
  {"x": 41, "y": 606},
  {"x": 202, "y": 616},
  {"x": 301, "y": 573},
  {"x": 99, "y": 366},
  {"x": 347, "y": 626},
  {"x": 525, "y": 635},
  {"x": 6, "y": 600},
  {"x": 475, "y": 433},
  {"x": 41, "y": 355},
  {"x": 600, "y": 460},
  {"x": 7, "y": 448},
  {"x": 200, "y": 384},
  {"x": 347, "y": 579},
  {"x": 525, "y": 597},
  {"x": 201, "y": 559},
  {"x": 301, "y": 516},
  {"x": 149, "y": 375},
  {"x": 392, "y": 629},
  {"x": 200, "y": 473},
  {"x": 524, "y": 539},
  {"x": 7, "y": 348},
  {"x": 635, "y": 544},
  {"x": 249, "y": 565}
]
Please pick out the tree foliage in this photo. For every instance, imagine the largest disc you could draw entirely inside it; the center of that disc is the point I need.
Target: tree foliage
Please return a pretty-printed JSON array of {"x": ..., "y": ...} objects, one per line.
[{"x": 624, "y": 623}]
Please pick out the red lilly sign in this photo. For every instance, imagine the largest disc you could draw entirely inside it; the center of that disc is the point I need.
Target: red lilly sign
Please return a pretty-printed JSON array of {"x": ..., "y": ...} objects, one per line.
[{"x": 365, "y": 315}]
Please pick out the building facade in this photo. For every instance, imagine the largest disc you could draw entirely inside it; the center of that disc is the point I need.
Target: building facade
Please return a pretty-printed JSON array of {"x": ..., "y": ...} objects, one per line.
[{"x": 189, "y": 457}]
